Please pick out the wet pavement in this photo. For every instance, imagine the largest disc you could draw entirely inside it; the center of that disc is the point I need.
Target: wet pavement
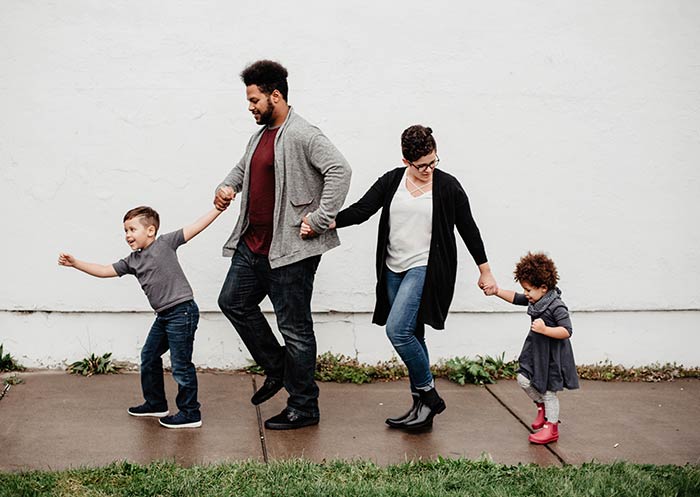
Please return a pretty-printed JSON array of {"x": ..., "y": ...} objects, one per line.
[{"x": 55, "y": 421}]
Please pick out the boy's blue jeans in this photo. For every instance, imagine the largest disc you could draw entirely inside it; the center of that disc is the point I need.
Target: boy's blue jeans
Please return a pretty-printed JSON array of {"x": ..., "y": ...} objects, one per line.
[
  {"x": 289, "y": 288},
  {"x": 405, "y": 291},
  {"x": 173, "y": 329}
]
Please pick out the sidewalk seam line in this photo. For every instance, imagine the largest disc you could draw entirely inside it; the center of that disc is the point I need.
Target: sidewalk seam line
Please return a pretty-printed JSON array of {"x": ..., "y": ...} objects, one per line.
[
  {"x": 4, "y": 391},
  {"x": 546, "y": 446},
  {"x": 261, "y": 432}
]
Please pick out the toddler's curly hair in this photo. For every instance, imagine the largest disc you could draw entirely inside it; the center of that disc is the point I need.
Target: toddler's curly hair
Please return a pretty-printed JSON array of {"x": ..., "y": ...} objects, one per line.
[{"x": 536, "y": 269}]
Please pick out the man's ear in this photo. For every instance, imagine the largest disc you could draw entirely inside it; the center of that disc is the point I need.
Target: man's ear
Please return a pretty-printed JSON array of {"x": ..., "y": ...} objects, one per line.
[
  {"x": 276, "y": 96},
  {"x": 151, "y": 231}
]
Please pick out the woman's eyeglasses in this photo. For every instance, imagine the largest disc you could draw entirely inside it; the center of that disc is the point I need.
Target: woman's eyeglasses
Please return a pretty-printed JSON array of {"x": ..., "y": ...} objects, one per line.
[{"x": 424, "y": 167}]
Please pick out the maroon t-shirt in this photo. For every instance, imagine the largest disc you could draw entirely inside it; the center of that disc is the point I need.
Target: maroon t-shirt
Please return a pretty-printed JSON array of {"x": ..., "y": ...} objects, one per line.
[{"x": 261, "y": 195}]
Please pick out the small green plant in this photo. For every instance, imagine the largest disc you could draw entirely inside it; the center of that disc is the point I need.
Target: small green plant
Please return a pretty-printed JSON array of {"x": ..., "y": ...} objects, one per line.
[
  {"x": 12, "y": 380},
  {"x": 94, "y": 365},
  {"x": 343, "y": 369},
  {"x": 253, "y": 368},
  {"x": 483, "y": 369},
  {"x": 8, "y": 363}
]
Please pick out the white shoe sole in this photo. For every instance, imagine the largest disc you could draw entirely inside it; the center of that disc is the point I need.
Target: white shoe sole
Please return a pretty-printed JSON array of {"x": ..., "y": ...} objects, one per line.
[
  {"x": 194, "y": 424},
  {"x": 149, "y": 414}
]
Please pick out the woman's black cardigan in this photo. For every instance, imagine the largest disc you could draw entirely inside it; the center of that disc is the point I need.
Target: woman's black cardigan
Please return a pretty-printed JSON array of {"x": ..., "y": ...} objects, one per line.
[{"x": 450, "y": 209}]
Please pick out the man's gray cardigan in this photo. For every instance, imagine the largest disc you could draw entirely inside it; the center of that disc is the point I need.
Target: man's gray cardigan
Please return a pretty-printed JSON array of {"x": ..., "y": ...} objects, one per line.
[{"x": 311, "y": 179}]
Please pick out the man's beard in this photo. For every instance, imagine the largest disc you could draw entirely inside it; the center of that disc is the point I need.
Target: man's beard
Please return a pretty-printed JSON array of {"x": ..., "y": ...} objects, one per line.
[{"x": 266, "y": 117}]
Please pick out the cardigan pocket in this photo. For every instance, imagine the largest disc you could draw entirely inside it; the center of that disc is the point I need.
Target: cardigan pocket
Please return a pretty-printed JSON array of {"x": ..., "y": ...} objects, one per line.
[{"x": 301, "y": 207}]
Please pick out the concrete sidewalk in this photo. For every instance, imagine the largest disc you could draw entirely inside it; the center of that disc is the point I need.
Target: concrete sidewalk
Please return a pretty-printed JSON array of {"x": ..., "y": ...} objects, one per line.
[{"x": 55, "y": 421}]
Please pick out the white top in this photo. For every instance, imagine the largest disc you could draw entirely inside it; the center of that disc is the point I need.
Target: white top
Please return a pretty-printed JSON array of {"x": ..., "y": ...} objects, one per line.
[{"x": 410, "y": 229}]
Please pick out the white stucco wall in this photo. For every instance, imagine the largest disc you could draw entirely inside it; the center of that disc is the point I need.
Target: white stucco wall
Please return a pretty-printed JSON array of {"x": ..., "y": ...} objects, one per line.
[{"x": 574, "y": 127}]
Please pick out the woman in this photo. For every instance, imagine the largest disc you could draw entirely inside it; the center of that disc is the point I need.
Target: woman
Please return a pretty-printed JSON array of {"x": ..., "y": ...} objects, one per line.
[{"x": 416, "y": 259}]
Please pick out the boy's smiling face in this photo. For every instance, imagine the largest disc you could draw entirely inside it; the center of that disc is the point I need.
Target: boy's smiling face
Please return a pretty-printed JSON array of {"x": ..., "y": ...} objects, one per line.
[
  {"x": 138, "y": 236},
  {"x": 533, "y": 293}
]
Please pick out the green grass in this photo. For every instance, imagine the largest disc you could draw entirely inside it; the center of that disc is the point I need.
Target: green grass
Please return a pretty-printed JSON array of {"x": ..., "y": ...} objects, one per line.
[{"x": 304, "y": 478}]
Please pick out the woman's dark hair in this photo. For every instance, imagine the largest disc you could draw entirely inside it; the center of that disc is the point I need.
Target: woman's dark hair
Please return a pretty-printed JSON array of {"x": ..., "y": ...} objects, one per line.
[
  {"x": 149, "y": 217},
  {"x": 537, "y": 269},
  {"x": 417, "y": 141},
  {"x": 268, "y": 75}
]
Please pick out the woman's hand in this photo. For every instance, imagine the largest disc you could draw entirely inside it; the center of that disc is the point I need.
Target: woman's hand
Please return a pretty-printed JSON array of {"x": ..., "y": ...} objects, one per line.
[
  {"x": 487, "y": 282},
  {"x": 306, "y": 231}
]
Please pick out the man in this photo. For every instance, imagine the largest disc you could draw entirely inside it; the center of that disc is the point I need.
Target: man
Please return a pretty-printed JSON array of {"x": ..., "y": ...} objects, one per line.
[{"x": 289, "y": 173}]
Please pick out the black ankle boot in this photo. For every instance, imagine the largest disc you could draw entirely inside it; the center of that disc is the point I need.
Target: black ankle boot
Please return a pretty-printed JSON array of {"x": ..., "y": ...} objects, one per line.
[
  {"x": 429, "y": 406},
  {"x": 398, "y": 422}
]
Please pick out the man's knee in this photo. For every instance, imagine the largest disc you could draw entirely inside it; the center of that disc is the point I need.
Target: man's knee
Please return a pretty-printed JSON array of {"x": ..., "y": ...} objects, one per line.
[{"x": 150, "y": 361}]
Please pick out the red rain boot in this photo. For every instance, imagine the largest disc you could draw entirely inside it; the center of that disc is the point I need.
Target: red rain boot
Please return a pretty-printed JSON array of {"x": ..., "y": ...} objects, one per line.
[
  {"x": 548, "y": 433},
  {"x": 539, "y": 420}
]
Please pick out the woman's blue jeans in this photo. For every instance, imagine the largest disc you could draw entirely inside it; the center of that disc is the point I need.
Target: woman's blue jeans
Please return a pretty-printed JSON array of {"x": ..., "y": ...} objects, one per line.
[
  {"x": 405, "y": 291},
  {"x": 173, "y": 329}
]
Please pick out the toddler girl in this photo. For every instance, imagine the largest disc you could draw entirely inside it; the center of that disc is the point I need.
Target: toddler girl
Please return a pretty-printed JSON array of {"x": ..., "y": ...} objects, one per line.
[{"x": 547, "y": 359}]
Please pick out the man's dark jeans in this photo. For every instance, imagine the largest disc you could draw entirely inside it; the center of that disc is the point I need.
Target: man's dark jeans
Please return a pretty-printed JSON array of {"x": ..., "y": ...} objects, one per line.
[
  {"x": 173, "y": 329},
  {"x": 290, "y": 287}
]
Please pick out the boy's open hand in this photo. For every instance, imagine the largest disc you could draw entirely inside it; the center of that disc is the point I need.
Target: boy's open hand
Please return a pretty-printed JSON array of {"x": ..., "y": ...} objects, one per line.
[{"x": 66, "y": 260}]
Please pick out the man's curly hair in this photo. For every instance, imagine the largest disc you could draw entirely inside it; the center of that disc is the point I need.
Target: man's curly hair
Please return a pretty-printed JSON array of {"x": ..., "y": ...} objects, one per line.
[
  {"x": 268, "y": 75},
  {"x": 417, "y": 141},
  {"x": 536, "y": 269}
]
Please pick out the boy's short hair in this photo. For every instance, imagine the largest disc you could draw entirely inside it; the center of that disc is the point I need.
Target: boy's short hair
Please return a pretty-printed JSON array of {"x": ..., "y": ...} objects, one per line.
[
  {"x": 536, "y": 269},
  {"x": 149, "y": 216},
  {"x": 268, "y": 75},
  {"x": 417, "y": 141}
]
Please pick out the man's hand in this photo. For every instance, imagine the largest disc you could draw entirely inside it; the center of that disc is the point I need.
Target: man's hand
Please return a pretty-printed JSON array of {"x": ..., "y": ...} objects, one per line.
[
  {"x": 306, "y": 231},
  {"x": 223, "y": 197},
  {"x": 66, "y": 260}
]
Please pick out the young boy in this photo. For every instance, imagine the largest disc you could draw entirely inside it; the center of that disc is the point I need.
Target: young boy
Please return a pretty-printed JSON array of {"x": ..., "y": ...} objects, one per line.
[
  {"x": 154, "y": 263},
  {"x": 547, "y": 359}
]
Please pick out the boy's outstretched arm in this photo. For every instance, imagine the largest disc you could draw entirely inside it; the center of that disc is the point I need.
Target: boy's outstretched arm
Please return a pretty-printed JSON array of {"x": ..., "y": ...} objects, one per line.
[
  {"x": 99, "y": 270},
  {"x": 198, "y": 226}
]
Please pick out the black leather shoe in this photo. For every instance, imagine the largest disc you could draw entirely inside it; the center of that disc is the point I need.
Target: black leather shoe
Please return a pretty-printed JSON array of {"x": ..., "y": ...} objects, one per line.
[
  {"x": 410, "y": 415},
  {"x": 267, "y": 390},
  {"x": 430, "y": 405},
  {"x": 288, "y": 420}
]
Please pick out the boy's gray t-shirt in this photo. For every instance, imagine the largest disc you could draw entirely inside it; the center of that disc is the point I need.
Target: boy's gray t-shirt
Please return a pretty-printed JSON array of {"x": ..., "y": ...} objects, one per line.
[{"x": 158, "y": 271}]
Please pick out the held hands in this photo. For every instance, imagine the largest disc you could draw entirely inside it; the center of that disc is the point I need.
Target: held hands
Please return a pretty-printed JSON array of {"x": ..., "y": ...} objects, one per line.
[
  {"x": 488, "y": 284},
  {"x": 538, "y": 326},
  {"x": 306, "y": 231},
  {"x": 66, "y": 260},
  {"x": 223, "y": 197}
]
